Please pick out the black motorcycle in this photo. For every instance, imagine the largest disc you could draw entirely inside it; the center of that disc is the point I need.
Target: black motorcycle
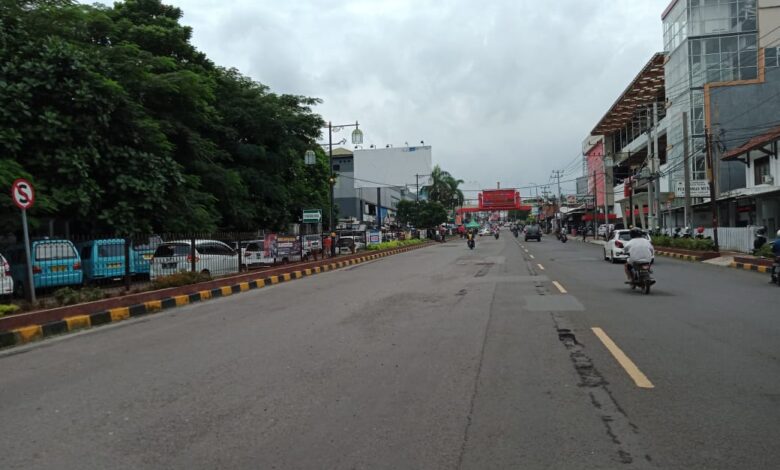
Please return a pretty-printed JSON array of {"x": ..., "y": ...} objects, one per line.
[
  {"x": 641, "y": 276},
  {"x": 563, "y": 238},
  {"x": 470, "y": 243},
  {"x": 496, "y": 234},
  {"x": 775, "y": 271}
]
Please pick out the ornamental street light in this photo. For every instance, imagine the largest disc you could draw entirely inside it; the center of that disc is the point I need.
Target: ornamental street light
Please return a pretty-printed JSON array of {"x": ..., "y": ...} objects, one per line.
[{"x": 357, "y": 139}]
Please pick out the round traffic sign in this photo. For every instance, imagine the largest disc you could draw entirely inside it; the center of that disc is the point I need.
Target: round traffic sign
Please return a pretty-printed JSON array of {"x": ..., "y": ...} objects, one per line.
[{"x": 23, "y": 194}]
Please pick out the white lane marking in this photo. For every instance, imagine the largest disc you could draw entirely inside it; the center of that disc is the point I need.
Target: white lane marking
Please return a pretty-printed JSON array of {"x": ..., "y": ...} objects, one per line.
[
  {"x": 541, "y": 267},
  {"x": 559, "y": 286},
  {"x": 532, "y": 256}
]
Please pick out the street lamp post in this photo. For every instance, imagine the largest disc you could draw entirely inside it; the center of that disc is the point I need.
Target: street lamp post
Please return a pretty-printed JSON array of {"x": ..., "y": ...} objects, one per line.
[{"x": 357, "y": 139}]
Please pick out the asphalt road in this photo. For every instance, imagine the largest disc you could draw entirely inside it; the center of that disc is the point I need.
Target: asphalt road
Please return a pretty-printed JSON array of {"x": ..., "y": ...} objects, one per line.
[{"x": 436, "y": 358}]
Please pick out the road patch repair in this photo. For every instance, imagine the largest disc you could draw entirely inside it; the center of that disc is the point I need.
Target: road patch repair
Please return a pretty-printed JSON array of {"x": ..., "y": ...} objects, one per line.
[{"x": 33, "y": 328}]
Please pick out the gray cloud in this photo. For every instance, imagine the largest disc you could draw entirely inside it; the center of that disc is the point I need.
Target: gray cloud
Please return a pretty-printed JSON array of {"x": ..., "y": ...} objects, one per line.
[{"x": 504, "y": 90}]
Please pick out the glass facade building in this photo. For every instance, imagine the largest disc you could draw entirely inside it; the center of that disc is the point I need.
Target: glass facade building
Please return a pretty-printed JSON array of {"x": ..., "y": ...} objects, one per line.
[{"x": 706, "y": 41}]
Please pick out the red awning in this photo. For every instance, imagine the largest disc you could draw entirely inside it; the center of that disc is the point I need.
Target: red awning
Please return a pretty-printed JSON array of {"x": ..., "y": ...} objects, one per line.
[
  {"x": 753, "y": 144},
  {"x": 588, "y": 217}
]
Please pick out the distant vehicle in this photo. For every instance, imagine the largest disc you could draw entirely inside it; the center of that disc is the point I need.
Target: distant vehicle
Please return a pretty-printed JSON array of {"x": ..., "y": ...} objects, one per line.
[
  {"x": 345, "y": 244},
  {"x": 604, "y": 230},
  {"x": 613, "y": 249},
  {"x": 253, "y": 254},
  {"x": 484, "y": 231},
  {"x": 311, "y": 243},
  {"x": 141, "y": 254},
  {"x": 212, "y": 257},
  {"x": 102, "y": 259},
  {"x": 533, "y": 232},
  {"x": 55, "y": 263},
  {"x": 6, "y": 281}
]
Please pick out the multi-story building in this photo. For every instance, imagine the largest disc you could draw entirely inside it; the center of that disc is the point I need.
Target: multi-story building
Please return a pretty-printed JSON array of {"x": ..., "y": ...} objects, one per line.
[{"x": 716, "y": 48}]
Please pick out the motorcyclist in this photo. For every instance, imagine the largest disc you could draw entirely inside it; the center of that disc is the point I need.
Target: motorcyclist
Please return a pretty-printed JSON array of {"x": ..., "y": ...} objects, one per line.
[
  {"x": 776, "y": 253},
  {"x": 639, "y": 250}
]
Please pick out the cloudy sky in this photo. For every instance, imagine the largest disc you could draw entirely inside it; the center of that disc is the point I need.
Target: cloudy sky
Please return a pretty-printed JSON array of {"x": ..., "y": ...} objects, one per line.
[{"x": 504, "y": 90}]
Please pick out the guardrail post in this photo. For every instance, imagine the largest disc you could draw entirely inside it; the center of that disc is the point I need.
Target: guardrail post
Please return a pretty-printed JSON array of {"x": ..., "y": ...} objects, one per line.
[
  {"x": 192, "y": 255},
  {"x": 128, "y": 270},
  {"x": 238, "y": 245}
]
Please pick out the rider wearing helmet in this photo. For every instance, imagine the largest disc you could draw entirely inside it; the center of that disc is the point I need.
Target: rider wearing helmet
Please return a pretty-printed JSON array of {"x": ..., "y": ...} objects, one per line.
[{"x": 639, "y": 250}]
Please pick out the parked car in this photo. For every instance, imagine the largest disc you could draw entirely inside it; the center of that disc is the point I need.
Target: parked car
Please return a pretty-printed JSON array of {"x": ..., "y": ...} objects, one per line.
[
  {"x": 141, "y": 254},
  {"x": 6, "y": 281},
  {"x": 605, "y": 229},
  {"x": 484, "y": 231},
  {"x": 613, "y": 249},
  {"x": 102, "y": 259},
  {"x": 212, "y": 257},
  {"x": 55, "y": 263},
  {"x": 253, "y": 254},
  {"x": 533, "y": 232}
]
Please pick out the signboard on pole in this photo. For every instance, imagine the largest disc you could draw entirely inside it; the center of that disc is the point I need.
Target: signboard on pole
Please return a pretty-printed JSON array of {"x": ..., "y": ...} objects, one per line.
[
  {"x": 374, "y": 237},
  {"x": 699, "y": 188},
  {"x": 23, "y": 195},
  {"x": 312, "y": 216}
]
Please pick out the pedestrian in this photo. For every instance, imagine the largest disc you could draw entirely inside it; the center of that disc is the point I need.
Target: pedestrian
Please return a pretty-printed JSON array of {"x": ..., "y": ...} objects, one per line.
[
  {"x": 327, "y": 243},
  {"x": 332, "y": 244}
]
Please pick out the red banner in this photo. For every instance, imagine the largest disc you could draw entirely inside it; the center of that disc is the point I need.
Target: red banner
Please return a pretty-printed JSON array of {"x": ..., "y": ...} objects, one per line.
[{"x": 498, "y": 199}]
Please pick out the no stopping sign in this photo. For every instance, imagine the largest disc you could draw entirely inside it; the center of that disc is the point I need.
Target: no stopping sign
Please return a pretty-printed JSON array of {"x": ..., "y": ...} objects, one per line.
[{"x": 22, "y": 194}]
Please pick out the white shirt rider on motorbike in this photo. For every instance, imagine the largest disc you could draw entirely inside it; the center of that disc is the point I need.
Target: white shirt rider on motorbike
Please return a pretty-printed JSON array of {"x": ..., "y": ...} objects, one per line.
[{"x": 639, "y": 250}]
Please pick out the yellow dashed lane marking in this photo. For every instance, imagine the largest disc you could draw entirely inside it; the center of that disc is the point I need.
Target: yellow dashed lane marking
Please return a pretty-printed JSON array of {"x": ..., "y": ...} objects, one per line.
[
  {"x": 559, "y": 286},
  {"x": 205, "y": 294},
  {"x": 274, "y": 279},
  {"x": 244, "y": 286},
  {"x": 286, "y": 276},
  {"x": 78, "y": 322},
  {"x": 639, "y": 378},
  {"x": 307, "y": 271},
  {"x": 119, "y": 314},
  {"x": 29, "y": 333},
  {"x": 532, "y": 256}
]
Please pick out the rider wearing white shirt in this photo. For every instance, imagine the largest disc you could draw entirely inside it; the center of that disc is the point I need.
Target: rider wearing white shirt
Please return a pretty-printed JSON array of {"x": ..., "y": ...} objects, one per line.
[{"x": 639, "y": 250}]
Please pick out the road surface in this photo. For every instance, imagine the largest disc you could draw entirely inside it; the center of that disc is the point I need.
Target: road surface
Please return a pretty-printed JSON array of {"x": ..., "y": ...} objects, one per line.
[{"x": 513, "y": 355}]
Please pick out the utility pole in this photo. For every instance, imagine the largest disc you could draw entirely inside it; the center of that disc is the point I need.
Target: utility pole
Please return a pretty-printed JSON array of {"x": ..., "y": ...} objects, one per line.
[
  {"x": 711, "y": 178},
  {"x": 595, "y": 205},
  {"x": 656, "y": 168},
  {"x": 330, "y": 176},
  {"x": 557, "y": 174},
  {"x": 650, "y": 164},
  {"x": 687, "y": 173}
]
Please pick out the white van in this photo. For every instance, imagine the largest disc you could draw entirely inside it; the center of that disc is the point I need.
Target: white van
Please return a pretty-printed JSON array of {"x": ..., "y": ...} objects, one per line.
[{"x": 212, "y": 257}]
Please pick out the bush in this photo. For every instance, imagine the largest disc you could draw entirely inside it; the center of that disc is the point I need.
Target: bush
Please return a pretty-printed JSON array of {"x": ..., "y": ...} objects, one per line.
[
  {"x": 695, "y": 244},
  {"x": 765, "y": 251},
  {"x": 70, "y": 296},
  {"x": 395, "y": 244},
  {"x": 180, "y": 279},
  {"x": 6, "y": 309}
]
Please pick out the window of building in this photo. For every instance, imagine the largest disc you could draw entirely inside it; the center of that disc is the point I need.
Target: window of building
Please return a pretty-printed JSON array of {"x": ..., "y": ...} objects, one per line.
[
  {"x": 722, "y": 16},
  {"x": 761, "y": 169},
  {"x": 770, "y": 56}
]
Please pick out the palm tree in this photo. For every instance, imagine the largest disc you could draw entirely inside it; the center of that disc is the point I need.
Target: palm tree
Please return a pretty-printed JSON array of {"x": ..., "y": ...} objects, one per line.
[
  {"x": 456, "y": 197},
  {"x": 438, "y": 190}
]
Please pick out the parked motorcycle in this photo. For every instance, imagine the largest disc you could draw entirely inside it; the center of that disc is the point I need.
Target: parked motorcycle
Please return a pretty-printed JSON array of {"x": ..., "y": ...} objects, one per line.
[
  {"x": 760, "y": 239},
  {"x": 470, "y": 243},
  {"x": 642, "y": 277}
]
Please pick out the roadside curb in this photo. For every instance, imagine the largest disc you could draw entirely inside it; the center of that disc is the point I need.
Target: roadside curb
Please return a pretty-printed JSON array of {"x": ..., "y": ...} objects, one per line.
[
  {"x": 678, "y": 255},
  {"x": 31, "y": 333},
  {"x": 750, "y": 267}
]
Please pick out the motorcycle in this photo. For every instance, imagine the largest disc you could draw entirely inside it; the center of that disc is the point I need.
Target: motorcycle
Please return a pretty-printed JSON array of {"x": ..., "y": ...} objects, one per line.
[
  {"x": 562, "y": 237},
  {"x": 496, "y": 234},
  {"x": 516, "y": 232},
  {"x": 470, "y": 243},
  {"x": 775, "y": 271},
  {"x": 641, "y": 277}
]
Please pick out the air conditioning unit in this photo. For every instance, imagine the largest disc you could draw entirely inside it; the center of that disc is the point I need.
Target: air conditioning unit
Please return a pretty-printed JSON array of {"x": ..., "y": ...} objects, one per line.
[{"x": 768, "y": 179}]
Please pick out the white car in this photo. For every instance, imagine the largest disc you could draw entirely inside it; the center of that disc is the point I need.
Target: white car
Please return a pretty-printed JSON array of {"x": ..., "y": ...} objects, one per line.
[
  {"x": 602, "y": 231},
  {"x": 613, "y": 249},
  {"x": 253, "y": 254},
  {"x": 212, "y": 257},
  {"x": 6, "y": 281},
  {"x": 484, "y": 231}
]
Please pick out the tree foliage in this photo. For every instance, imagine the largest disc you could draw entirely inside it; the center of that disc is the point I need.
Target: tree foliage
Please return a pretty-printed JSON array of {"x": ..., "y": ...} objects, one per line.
[
  {"x": 423, "y": 214},
  {"x": 444, "y": 188},
  {"x": 122, "y": 125}
]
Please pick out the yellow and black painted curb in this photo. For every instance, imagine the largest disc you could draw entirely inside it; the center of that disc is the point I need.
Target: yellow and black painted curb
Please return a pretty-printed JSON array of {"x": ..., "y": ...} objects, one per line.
[
  {"x": 751, "y": 267},
  {"x": 32, "y": 333},
  {"x": 678, "y": 255}
]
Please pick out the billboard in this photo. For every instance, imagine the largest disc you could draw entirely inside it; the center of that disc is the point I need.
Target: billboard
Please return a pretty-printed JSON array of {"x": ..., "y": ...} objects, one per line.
[
  {"x": 392, "y": 166},
  {"x": 498, "y": 198}
]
